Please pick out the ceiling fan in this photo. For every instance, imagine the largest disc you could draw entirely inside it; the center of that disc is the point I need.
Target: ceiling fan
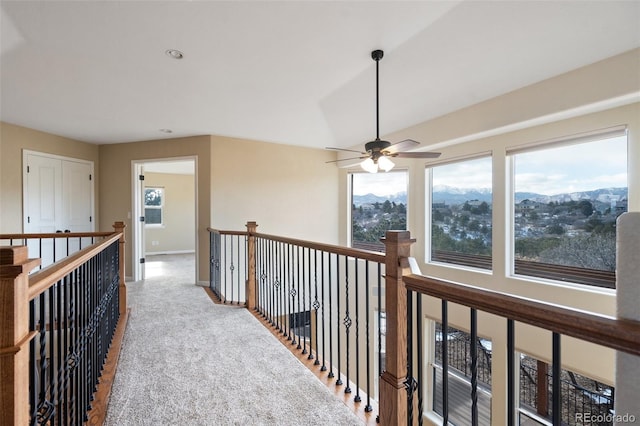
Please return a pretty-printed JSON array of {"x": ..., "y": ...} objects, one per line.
[{"x": 377, "y": 152}]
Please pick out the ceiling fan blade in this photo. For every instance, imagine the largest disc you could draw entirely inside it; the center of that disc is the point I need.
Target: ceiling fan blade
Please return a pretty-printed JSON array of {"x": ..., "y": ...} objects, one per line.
[
  {"x": 404, "y": 145},
  {"x": 343, "y": 149},
  {"x": 416, "y": 155},
  {"x": 345, "y": 159}
]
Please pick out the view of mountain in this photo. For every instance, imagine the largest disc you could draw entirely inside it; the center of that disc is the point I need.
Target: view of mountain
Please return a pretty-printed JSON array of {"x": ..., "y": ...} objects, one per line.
[
  {"x": 451, "y": 195},
  {"x": 399, "y": 198}
]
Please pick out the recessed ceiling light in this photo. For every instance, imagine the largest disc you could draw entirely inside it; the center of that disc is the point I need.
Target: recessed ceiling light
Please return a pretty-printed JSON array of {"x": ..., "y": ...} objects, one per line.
[
  {"x": 166, "y": 130},
  {"x": 175, "y": 54}
]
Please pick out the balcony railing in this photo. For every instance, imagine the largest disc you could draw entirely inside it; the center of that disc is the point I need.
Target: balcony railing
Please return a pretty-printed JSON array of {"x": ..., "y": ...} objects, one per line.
[
  {"x": 357, "y": 318},
  {"x": 63, "y": 320}
]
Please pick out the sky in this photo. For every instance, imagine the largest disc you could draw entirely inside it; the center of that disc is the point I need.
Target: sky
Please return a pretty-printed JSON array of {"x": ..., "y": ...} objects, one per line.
[{"x": 568, "y": 168}]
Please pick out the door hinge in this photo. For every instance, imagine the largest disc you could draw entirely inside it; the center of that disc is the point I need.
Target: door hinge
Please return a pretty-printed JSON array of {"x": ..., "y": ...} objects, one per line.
[
  {"x": 90, "y": 219},
  {"x": 28, "y": 169},
  {"x": 142, "y": 260},
  {"x": 28, "y": 219},
  {"x": 141, "y": 218},
  {"x": 89, "y": 176},
  {"x": 141, "y": 177}
]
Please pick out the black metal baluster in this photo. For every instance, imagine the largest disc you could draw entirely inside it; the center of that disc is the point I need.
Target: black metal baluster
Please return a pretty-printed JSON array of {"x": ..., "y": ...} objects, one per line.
[
  {"x": 293, "y": 291},
  {"x": 420, "y": 358},
  {"x": 367, "y": 307},
  {"x": 289, "y": 291},
  {"x": 445, "y": 363},
  {"x": 331, "y": 375},
  {"x": 283, "y": 287},
  {"x": 322, "y": 286},
  {"x": 239, "y": 277},
  {"x": 357, "y": 398},
  {"x": 303, "y": 312},
  {"x": 53, "y": 327},
  {"x": 347, "y": 322},
  {"x": 474, "y": 367},
  {"x": 276, "y": 285},
  {"x": 309, "y": 304},
  {"x": 556, "y": 398},
  {"x": 339, "y": 380},
  {"x": 232, "y": 268},
  {"x": 409, "y": 382},
  {"x": 269, "y": 282},
  {"x": 298, "y": 284},
  {"x": 511, "y": 383},
  {"x": 316, "y": 304}
]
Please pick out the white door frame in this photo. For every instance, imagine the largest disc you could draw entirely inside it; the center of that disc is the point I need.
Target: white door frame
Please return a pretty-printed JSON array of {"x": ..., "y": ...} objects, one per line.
[{"x": 138, "y": 249}]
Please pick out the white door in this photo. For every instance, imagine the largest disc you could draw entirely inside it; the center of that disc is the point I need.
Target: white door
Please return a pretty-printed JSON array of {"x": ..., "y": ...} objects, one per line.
[
  {"x": 58, "y": 197},
  {"x": 77, "y": 201}
]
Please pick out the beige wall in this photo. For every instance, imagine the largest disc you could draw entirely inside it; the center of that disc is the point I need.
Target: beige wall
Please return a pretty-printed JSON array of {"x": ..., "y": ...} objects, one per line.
[
  {"x": 177, "y": 233},
  {"x": 287, "y": 190},
  {"x": 15, "y": 139},
  {"x": 596, "y": 97},
  {"x": 116, "y": 186}
]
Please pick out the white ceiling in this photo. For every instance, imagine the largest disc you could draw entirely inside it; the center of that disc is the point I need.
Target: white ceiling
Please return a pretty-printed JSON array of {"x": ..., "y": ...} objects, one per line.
[{"x": 295, "y": 72}]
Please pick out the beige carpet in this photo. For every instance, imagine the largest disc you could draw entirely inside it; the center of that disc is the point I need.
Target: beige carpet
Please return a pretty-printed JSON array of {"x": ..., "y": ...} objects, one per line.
[{"x": 186, "y": 361}]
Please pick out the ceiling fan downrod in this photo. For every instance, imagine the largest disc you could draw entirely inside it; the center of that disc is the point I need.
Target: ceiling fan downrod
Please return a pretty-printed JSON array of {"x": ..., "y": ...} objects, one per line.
[{"x": 376, "y": 55}]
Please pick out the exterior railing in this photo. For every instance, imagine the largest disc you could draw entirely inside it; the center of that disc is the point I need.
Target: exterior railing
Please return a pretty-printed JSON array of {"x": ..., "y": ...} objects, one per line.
[
  {"x": 330, "y": 303},
  {"x": 63, "y": 319}
]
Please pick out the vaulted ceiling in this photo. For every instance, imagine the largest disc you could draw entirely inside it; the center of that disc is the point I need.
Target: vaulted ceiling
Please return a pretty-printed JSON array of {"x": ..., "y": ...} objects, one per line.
[{"x": 294, "y": 72}]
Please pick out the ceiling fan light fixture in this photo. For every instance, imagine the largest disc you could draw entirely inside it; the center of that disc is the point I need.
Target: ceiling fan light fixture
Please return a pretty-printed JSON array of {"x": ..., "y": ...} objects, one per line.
[
  {"x": 385, "y": 164},
  {"x": 369, "y": 165}
]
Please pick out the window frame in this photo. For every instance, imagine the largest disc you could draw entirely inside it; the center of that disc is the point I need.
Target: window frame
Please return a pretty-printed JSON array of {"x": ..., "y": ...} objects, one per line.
[
  {"x": 428, "y": 252},
  {"x": 510, "y": 243},
  {"x": 160, "y": 207}
]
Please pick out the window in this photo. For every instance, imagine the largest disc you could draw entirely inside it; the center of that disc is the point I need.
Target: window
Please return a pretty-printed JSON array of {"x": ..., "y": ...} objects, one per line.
[
  {"x": 459, "y": 362},
  {"x": 583, "y": 399},
  {"x": 153, "y": 206},
  {"x": 461, "y": 213},
  {"x": 378, "y": 204},
  {"x": 566, "y": 201}
]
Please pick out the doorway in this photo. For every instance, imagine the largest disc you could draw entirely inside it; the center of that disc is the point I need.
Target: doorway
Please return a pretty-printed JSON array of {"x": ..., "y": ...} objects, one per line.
[{"x": 165, "y": 210}]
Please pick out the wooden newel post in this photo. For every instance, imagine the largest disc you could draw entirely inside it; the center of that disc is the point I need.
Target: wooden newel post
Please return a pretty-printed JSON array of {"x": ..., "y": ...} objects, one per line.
[
  {"x": 14, "y": 334},
  {"x": 393, "y": 394},
  {"x": 122, "y": 287},
  {"x": 251, "y": 288}
]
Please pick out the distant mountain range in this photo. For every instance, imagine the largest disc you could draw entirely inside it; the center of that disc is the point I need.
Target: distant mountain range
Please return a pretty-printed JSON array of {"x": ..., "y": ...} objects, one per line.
[{"x": 451, "y": 195}]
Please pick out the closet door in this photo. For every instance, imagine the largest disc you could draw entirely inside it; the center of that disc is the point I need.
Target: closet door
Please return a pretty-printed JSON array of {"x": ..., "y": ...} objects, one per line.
[{"x": 58, "y": 197}]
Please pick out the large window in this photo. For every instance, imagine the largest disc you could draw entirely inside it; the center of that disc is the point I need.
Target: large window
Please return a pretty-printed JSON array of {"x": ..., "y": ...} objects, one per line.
[
  {"x": 378, "y": 204},
  {"x": 153, "y": 205},
  {"x": 461, "y": 200},
  {"x": 567, "y": 198}
]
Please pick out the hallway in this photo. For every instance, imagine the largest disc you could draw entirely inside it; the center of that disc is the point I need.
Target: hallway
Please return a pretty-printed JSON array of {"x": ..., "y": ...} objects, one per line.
[{"x": 186, "y": 360}]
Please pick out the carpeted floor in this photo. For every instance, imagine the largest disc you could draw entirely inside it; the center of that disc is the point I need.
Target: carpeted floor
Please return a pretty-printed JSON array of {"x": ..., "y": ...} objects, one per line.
[{"x": 187, "y": 361}]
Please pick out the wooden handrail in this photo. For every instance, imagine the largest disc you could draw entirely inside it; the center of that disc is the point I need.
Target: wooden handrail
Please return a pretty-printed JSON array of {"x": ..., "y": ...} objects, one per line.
[
  {"x": 619, "y": 334},
  {"x": 54, "y": 235},
  {"x": 222, "y": 232},
  {"x": 45, "y": 278},
  {"x": 343, "y": 251}
]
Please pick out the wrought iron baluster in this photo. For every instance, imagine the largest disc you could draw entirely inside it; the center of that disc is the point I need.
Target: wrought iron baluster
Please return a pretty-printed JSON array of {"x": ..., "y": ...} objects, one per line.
[
  {"x": 409, "y": 381},
  {"x": 445, "y": 363},
  {"x": 232, "y": 268},
  {"x": 330, "y": 287},
  {"x": 510, "y": 373},
  {"x": 420, "y": 352},
  {"x": 289, "y": 291},
  {"x": 316, "y": 304},
  {"x": 305, "y": 268},
  {"x": 322, "y": 286},
  {"x": 357, "y": 398},
  {"x": 379, "y": 321},
  {"x": 339, "y": 380},
  {"x": 474, "y": 366},
  {"x": 308, "y": 305},
  {"x": 347, "y": 322},
  {"x": 238, "y": 292},
  {"x": 367, "y": 307},
  {"x": 299, "y": 284},
  {"x": 556, "y": 403}
]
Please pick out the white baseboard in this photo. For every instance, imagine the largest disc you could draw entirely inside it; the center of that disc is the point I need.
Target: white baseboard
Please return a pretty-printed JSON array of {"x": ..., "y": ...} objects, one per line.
[{"x": 151, "y": 253}]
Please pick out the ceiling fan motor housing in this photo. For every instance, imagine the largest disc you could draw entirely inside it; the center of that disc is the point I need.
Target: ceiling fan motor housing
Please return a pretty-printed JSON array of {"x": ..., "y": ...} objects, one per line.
[{"x": 376, "y": 147}]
